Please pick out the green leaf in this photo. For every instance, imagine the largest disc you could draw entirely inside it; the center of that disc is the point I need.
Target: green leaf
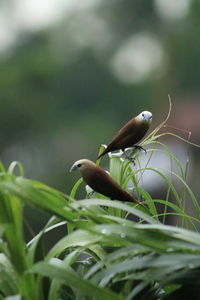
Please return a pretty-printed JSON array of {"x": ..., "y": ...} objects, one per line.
[
  {"x": 8, "y": 282},
  {"x": 25, "y": 190},
  {"x": 14, "y": 297},
  {"x": 116, "y": 204},
  {"x": 75, "y": 188},
  {"x": 15, "y": 164},
  {"x": 70, "y": 278},
  {"x": 79, "y": 238}
]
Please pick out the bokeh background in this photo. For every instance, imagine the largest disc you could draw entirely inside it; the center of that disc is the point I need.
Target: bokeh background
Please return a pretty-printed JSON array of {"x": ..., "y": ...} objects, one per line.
[{"x": 73, "y": 72}]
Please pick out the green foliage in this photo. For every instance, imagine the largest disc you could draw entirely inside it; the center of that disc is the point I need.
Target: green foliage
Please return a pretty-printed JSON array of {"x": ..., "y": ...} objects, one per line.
[{"x": 111, "y": 250}]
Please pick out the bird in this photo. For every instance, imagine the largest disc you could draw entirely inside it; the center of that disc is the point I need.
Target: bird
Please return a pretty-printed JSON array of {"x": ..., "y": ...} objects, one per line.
[
  {"x": 130, "y": 134},
  {"x": 100, "y": 181}
]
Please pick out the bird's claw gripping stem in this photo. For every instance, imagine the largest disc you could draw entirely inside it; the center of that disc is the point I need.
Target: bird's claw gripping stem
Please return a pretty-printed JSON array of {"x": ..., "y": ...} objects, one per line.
[
  {"x": 131, "y": 159},
  {"x": 140, "y": 148}
]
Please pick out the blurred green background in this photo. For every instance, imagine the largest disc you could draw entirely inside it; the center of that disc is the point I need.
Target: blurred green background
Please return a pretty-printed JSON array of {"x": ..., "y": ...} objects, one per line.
[{"x": 73, "y": 72}]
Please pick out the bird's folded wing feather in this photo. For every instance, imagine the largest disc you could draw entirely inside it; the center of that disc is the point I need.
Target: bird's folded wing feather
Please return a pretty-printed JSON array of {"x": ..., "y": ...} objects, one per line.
[
  {"x": 129, "y": 130},
  {"x": 102, "y": 183}
]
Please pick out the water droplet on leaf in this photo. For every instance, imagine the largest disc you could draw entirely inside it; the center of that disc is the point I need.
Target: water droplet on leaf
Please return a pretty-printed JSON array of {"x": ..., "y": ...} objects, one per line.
[
  {"x": 105, "y": 231},
  {"x": 122, "y": 235}
]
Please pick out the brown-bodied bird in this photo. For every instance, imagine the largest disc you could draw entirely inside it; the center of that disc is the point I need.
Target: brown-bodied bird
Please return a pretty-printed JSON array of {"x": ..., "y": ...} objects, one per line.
[
  {"x": 100, "y": 181},
  {"x": 130, "y": 134}
]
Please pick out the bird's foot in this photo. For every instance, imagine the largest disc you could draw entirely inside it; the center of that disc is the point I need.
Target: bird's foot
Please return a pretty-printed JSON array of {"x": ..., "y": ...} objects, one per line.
[
  {"x": 140, "y": 148},
  {"x": 131, "y": 159}
]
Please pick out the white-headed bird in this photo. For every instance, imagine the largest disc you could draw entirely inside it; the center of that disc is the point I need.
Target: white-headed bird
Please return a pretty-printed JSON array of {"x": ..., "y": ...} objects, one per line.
[
  {"x": 100, "y": 181},
  {"x": 130, "y": 134}
]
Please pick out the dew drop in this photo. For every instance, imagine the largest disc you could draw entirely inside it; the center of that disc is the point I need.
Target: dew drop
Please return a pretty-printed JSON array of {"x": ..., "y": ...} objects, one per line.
[
  {"x": 122, "y": 235},
  {"x": 105, "y": 231}
]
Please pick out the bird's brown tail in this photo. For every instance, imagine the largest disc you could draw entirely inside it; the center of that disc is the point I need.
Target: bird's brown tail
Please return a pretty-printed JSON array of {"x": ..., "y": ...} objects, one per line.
[
  {"x": 128, "y": 197},
  {"x": 103, "y": 153},
  {"x": 107, "y": 150}
]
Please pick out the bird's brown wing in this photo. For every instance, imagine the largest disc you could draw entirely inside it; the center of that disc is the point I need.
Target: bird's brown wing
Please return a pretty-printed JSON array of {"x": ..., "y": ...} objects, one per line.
[
  {"x": 103, "y": 183},
  {"x": 123, "y": 137},
  {"x": 129, "y": 135},
  {"x": 129, "y": 128}
]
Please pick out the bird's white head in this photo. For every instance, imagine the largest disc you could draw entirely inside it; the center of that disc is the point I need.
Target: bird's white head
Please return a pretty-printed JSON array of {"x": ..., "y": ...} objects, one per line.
[
  {"x": 81, "y": 165},
  {"x": 145, "y": 116}
]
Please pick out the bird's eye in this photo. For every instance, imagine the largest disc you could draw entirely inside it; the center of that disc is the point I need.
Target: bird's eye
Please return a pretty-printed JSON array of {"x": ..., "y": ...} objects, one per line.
[
  {"x": 142, "y": 115},
  {"x": 79, "y": 165}
]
